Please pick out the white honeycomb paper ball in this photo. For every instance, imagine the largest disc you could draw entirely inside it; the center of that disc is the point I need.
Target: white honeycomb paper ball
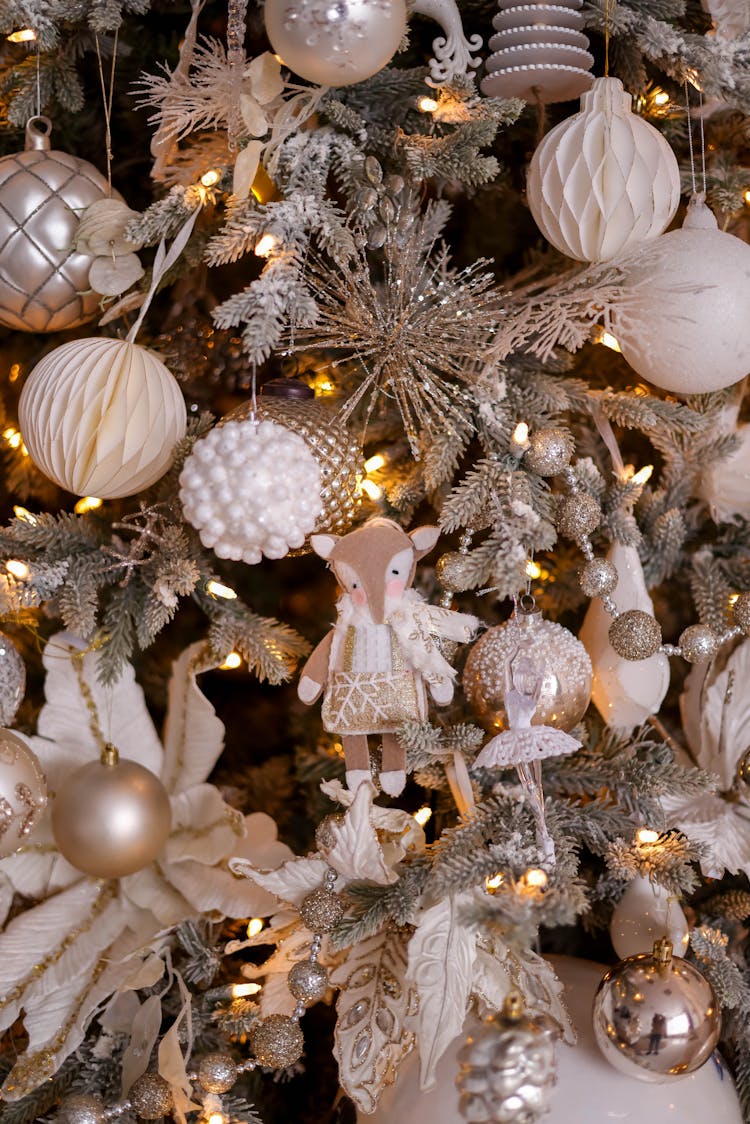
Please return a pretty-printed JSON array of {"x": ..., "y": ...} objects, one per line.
[
  {"x": 683, "y": 323},
  {"x": 101, "y": 417},
  {"x": 251, "y": 488},
  {"x": 603, "y": 180}
]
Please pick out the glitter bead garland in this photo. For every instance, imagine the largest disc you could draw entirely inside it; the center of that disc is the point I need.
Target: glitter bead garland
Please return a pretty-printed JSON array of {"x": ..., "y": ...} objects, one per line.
[
  {"x": 81, "y": 1109},
  {"x": 308, "y": 981},
  {"x": 151, "y": 1097},
  {"x": 217, "y": 1073},
  {"x": 635, "y": 635},
  {"x": 277, "y": 1041}
]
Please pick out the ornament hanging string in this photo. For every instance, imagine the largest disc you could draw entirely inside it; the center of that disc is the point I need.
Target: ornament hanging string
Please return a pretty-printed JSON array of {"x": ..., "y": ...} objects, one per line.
[
  {"x": 107, "y": 97},
  {"x": 690, "y": 137},
  {"x": 607, "y": 32},
  {"x": 163, "y": 262},
  {"x": 38, "y": 80}
]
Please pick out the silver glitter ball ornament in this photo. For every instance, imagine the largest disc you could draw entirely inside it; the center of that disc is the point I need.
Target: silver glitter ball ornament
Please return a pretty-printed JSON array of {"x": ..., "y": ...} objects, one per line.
[
  {"x": 451, "y": 570},
  {"x": 656, "y": 1017},
  {"x": 508, "y": 1068},
  {"x": 277, "y": 1041},
  {"x": 81, "y": 1108},
  {"x": 598, "y": 577},
  {"x": 741, "y": 613},
  {"x": 217, "y": 1073},
  {"x": 578, "y": 515},
  {"x": 321, "y": 910},
  {"x": 12, "y": 680},
  {"x": 151, "y": 1097},
  {"x": 291, "y": 403},
  {"x": 44, "y": 281},
  {"x": 325, "y": 839},
  {"x": 635, "y": 635},
  {"x": 549, "y": 451},
  {"x": 23, "y": 792},
  {"x": 308, "y": 981},
  {"x": 698, "y": 643},
  {"x": 566, "y": 681}
]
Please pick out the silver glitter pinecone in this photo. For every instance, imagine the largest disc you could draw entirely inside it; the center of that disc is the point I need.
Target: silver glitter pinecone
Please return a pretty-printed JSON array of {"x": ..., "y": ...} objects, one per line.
[
  {"x": 81, "y": 1108},
  {"x": 44, "y": 281},
  {"x": 655, "y": 1016},
  {"x": 566, "y": 682},
  {"x": 12, "y": 680},
  {"x": 508, "y": 1068},
  {"x": 217, "y": 1073},
  {"x": 277, "y": 1041},
  {"x": 151, "y": 1097}
]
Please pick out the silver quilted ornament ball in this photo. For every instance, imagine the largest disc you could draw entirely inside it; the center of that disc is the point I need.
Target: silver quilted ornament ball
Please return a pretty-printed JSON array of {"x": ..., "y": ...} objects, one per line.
[
  {"x": 656, "y": 1017},
  {"x": 566, "y": 683},
  {"x": 308, "y": 981},
  {"x": 635, "y": 635},
  {"x": 321, "y": 910},
  {"x": 698, "y": 643},
  {"x": 44, "y": 282},
  {"x": 81, "y": 1108},
  {"x": 277, "y": 1041},
  {"x": 578, "y": 515},
  {"x": 217, "y": 1073},
  {"x": 151, "y": 1097},
  {"x": 741, "y": 613},
  {"x": 12, "y": 680},
  {"x": 549, "y": 451},
  {"x": 508, "y": 1068},
  {"x": 598, "y": 577}
]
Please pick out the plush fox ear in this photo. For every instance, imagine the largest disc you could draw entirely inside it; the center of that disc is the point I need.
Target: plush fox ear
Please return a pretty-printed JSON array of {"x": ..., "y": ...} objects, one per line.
[
  {"x": 424, "y": 538},
  {"x": 324, "y": 544}
]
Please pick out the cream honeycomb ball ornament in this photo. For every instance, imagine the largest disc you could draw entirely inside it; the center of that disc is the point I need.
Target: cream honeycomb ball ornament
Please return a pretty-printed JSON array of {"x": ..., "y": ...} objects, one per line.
[
  {"x": 683, "y": 322},
  {"x": 101, "y": 417},
  {"x": 44, "y": 279},
  {"x": 603, "y": 180}
]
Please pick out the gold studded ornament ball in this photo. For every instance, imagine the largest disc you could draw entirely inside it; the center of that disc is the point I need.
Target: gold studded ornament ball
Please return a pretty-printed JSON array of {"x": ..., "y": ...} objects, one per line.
[
  {"x": 23, "y": 792},
  {"x": 44, "y": 281},
  {"x": 565, "y": 664}
]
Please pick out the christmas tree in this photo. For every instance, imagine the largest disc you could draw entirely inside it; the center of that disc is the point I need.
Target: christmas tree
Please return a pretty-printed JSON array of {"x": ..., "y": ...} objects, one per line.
[{"x": 375, "y": 561}]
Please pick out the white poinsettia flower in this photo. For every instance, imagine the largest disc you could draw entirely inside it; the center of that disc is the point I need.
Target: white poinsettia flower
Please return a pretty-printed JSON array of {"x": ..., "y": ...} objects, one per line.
[{"x": 86, "y": 937}]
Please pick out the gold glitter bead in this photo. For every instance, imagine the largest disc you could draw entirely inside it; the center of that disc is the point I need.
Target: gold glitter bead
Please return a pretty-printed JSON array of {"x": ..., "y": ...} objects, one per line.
[
  {"x": 277, "y": 1041},
  {"x": 598, "y": 577},
  {"x": 549, "y": 451},
  {"x": 578, "y": 515},
  {"x": 321, "y": 910},
  {"x": 308, "y": 981},
  {"x": 151, "y": 1097},
  {"x": 217, "y": 1073},
  {"x": 635, "y": 635},
  {"x": 741, "y": 613},
  {"x": 698, "y": 643},
  {"x": 81, "y": 1108},
  {"x": 451, "y": 572}
]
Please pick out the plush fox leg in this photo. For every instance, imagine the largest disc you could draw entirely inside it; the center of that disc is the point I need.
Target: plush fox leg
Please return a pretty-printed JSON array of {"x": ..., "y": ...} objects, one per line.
[
  {"x": 357, "y": 759},
  {"x": 393, "y": 769}
]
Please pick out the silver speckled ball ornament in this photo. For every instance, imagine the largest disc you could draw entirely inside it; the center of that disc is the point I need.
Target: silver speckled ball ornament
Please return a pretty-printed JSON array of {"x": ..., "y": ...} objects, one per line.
[
  {"x": 12, "y": 680},
  {"x": 325, "y": 840},
  {"x": 44, "y": 281},
  {"x": 451, "y": 570},
  {"x": 308, "y": 981},
  {"x": 578, "y": 514},
  {"x": 23, "y": 792},
  {"x": 566, "y": 684},
  {"x": 598, "y": 577},
  {"x": 151, "y": 1097},
  {"x": 741, "y": 613},
  {"x": 698, "y": 643},
  {"x": 277, "y": 1041},
  {"x": 635, "y": 635},
  {"x": 508, "y": 1068},
  {"x": 656, "y": 1017},
  {"x": 549, "y": 451},
  {"x": 217, "y": 1073},
  {"x": 321, "y": 910},
  {"x": 81, "y": 1108}
]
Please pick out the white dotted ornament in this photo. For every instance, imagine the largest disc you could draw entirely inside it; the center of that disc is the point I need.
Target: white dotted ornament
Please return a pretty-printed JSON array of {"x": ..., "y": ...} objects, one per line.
[{"x": 251, "y": 488}]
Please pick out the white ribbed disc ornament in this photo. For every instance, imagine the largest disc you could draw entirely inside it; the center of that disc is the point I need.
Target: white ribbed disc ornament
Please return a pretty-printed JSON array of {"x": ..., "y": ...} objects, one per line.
[
  {"x": 101, "y": 417},
  {"x": 603, "y": 180},
  {"x": 44, "y": 280},
  {"x": 540, "y": 53},
  {"x": 683, "y": 323}
]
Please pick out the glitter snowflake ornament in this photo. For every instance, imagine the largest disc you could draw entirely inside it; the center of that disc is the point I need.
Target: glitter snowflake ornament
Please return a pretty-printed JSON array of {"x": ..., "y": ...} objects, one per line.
[{"x": 251, "y": 488}]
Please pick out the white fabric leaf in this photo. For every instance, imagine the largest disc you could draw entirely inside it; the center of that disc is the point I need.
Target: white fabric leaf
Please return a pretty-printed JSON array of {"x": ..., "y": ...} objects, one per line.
[
  {"x": 261, "y": 843},
  {"x": 491, "y": 980},
  {"x": 723, "y": 705},
  {"x": 356, "y": 853},
  {"x": 253, "y": 116},
  {"x": 543, "y": 991},
  {"x": 724, "y": 829},
  {"x": 210, "y": 888},
  {"x": 203, "y": 826},
  {"x": 6, "y": 896},
  {"x": 39, "y": 870},
  {"x": 149, "y": 890},
  {"x": 396, "y": 822},
  {"x": 264, "y": 72},
  {"x": 275, "y": 998},
  {"x": 246, "y": 168},
  {"x": 290, "y": 883},
  {"x": 112, "y": 276},
  {"x": 441, "y": 961},
  {"x": 144, "y": 1031},
  {"x": 193, "y": 735}
]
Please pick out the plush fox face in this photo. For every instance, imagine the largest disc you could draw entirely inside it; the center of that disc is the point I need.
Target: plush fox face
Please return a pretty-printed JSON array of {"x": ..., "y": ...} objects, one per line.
[{"x": 376, "y": 563}]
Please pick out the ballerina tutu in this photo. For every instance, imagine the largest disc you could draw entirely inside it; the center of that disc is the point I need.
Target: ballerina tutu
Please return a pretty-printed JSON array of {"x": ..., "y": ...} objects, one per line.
[{"x": 514, "y": 747}]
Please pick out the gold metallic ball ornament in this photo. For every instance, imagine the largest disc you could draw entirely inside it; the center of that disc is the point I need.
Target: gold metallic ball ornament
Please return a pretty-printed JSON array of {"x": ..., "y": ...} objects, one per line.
[
  {"x": 44, "y": 281},
  {"x": 23, "y": 792},
  {"x": 656, "y": 1016},
  {"x": 112, "y": 817},
  {"x": 566, "y": 683},
  {"x": 151, "y": 1097}
]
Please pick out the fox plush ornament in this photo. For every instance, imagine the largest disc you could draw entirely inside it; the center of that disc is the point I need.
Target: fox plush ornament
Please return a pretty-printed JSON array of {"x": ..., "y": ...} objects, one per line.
[{"x": 374, "y": 666}]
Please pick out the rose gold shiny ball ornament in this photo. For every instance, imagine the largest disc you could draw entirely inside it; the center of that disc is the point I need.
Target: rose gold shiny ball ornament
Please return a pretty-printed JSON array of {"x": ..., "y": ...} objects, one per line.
[
  {"x": 23, "y": 792},
  {"x": 44, "y": 282},
  {"x": 566, "y": 683},
  {"x": 112, "y": 817}
]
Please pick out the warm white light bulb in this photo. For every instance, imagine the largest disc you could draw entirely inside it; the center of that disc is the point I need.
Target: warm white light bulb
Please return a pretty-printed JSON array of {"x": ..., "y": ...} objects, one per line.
[
  {"x": 233, "y": 660},
  {"x": 254, "y": 926},
  {"x": 217, "y": 589},
  {"x": 266, "y": 245},
  {"x": 423, "y": 814}
]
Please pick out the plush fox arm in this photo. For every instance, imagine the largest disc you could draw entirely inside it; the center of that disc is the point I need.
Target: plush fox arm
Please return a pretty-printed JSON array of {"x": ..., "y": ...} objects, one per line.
[{"x": 315, "y": 672}]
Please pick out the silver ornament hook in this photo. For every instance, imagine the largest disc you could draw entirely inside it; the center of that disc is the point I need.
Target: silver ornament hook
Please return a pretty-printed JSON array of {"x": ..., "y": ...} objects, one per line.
[{"x": 38, "y": 132}]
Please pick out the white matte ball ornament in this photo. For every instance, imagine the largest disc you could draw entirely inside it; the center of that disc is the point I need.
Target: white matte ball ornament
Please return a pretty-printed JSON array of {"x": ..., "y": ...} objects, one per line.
[
  {"x": 588, "y": 1089},
  {"x": 335, "y": 42},
  {"x": 23, "y": 792},
  {"x": 251, "y": 488},
  {"x": 683, "y": 323},
  {"x": 101, "y": 417},
  {"x": 603, "y": 180}
]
